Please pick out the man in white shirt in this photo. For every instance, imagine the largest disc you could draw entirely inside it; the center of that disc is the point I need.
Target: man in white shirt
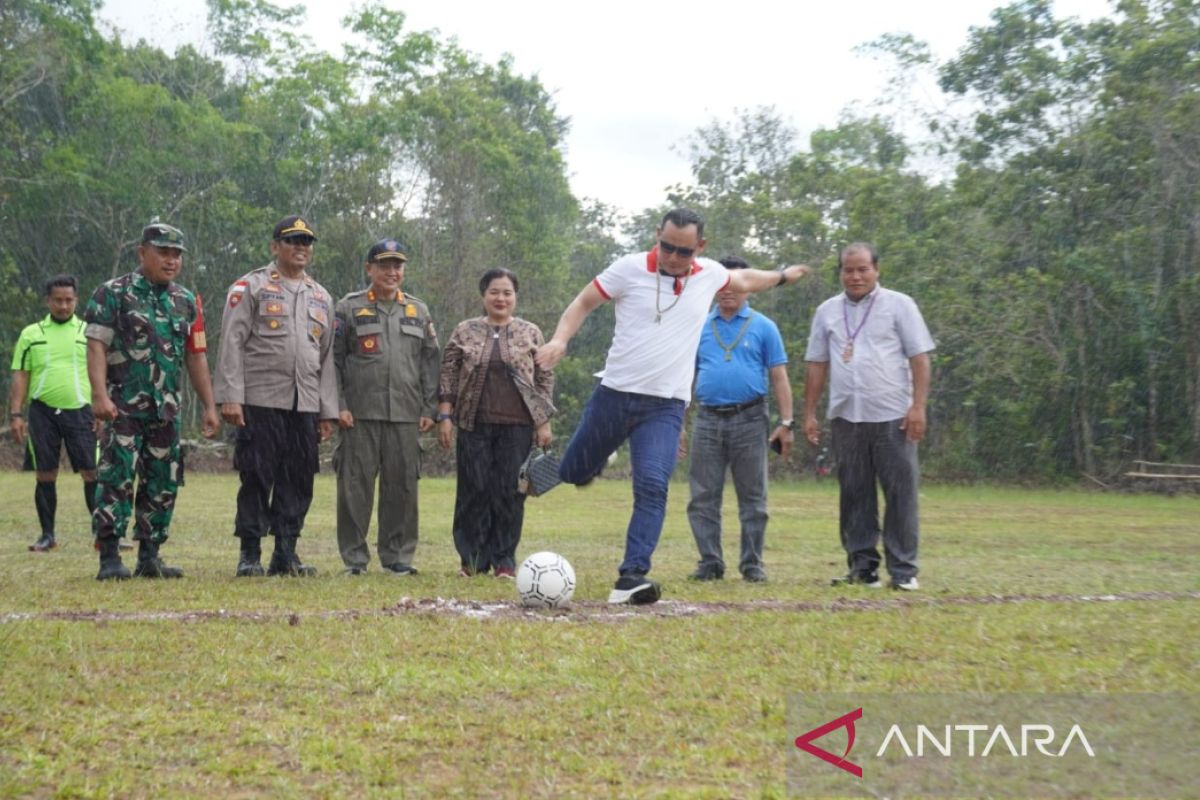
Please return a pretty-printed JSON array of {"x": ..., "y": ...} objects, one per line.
[
  {"x": 872, "y": 347},
  {"x": 661, "y": 299}
]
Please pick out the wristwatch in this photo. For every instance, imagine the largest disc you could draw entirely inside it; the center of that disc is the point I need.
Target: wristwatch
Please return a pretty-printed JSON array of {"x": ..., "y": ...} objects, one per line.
[
  {"x": 443, "y": 416},
  {"x": 787, "y": 423},
  {"x": 782, "y": 276}
]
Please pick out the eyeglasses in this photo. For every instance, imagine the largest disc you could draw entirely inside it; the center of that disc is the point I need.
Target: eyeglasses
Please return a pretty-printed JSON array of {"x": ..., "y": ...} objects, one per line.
[
  {"x": 670, "y": 249},
  {"x": 298, "y": 241}
]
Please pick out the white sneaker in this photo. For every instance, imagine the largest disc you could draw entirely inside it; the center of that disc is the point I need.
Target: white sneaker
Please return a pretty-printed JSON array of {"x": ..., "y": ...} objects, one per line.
[
  {"x": 907, "y": 584},
  {"x": 634, "y": 590}
]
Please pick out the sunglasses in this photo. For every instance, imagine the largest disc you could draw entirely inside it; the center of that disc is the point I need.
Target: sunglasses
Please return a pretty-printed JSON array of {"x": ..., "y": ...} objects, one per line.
[
  {"x": 670, "y": 249},
  {"x": 298, "y": 241}
]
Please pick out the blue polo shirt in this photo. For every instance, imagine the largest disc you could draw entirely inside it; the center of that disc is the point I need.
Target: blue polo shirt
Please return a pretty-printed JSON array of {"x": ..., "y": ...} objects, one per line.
[{"x": 744, "y": 376}]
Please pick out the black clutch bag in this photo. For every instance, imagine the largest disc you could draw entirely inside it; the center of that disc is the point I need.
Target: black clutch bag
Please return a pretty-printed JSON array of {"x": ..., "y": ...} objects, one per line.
[{"x": 539, "y": 473}]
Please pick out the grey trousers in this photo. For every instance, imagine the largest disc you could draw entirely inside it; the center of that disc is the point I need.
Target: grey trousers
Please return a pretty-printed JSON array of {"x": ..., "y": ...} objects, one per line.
[
  {"x": 868, "y": 452},
  {"x": 737, "y": 442},
  {"x": 390, "y": 452}
]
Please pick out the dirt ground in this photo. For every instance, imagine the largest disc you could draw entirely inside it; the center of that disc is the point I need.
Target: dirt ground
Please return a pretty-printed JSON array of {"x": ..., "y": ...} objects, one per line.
[{"x": 589, "y": 611}]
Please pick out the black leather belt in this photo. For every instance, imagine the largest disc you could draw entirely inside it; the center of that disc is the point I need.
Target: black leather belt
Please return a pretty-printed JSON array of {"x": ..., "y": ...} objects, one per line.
[{"x": 729, "y": 411}]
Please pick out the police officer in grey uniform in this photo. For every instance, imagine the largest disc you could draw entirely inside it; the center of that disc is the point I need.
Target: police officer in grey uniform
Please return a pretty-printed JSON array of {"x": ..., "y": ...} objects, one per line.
[
  {"x": 275, "y": 382},
  {"x": 387, "y": 357}
]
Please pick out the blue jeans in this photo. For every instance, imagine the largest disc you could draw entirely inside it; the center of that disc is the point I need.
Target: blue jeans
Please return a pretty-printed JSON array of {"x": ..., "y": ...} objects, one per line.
[{"x": 652, "y": 425}]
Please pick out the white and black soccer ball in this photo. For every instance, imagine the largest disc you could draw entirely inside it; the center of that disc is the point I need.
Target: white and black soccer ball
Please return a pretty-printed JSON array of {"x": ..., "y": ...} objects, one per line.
[{"x": 545, "y": 580}]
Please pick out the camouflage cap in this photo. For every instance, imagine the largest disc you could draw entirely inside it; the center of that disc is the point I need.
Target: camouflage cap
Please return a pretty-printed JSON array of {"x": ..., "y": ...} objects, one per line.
[
  {"x": 386, "y": 249},
  {"x": 161, "y": 234},
  {"x": 293, "y": 225}
]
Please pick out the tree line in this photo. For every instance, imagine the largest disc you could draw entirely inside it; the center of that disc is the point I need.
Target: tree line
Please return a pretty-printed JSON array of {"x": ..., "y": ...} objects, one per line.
[{"x": 1052, "y": 244}]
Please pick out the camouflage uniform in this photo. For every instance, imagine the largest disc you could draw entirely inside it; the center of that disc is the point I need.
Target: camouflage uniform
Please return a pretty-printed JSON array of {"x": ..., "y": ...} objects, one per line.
[{"x": 147, "y": 329}]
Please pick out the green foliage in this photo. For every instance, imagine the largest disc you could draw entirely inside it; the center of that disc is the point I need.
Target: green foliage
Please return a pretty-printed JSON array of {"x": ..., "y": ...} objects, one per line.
[
  {"x": 1052, "y": 269},
  {"x": 1058, "y": 263},
  {"x": 409, "y": 137}
]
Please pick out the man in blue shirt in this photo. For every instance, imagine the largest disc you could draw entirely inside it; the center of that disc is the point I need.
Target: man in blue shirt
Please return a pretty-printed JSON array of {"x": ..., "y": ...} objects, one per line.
[{"x": 739, "y": 349}]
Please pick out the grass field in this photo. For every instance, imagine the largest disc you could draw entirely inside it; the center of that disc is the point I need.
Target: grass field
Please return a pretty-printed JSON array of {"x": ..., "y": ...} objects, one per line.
[{"x": 370, "y": 686}]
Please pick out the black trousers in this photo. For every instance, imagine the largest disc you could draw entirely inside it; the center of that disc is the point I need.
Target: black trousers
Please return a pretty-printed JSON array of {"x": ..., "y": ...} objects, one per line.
[
  {"x": 276, "y": 458},
  {"x": 870, "y": 453},
  {"x": 488, "y": 510}
]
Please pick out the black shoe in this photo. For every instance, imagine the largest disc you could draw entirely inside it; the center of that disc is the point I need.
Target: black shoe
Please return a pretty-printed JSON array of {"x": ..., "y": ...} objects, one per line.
[
  {"x": 858, "y": 578},
  {"x": 249, "y": 569},
  {"x": 400, "y": 569},
  {"x": 111, "y": 568},
  {"x": 354, "y": 571},
  {"x": 754, "y": 575},
  {"x": 250, "y": 559},
  {"x": 284, "y": 560},
  {"x": 707, "y": 572},
  {"x": 44, "y": 544},
  {"x": 149, "y": 565},
  {"x": 634, "y": 590}
]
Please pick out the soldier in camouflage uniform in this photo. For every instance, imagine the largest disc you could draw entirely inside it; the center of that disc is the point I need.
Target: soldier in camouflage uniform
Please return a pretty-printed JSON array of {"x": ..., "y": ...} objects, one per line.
[
  {"x": 142, "y": 329},
  {"x": 387, "y": 356}
]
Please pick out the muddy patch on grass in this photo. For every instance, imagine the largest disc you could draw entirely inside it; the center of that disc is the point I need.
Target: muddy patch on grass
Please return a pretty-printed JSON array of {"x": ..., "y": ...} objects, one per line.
[{"x": 585, "y": 611}]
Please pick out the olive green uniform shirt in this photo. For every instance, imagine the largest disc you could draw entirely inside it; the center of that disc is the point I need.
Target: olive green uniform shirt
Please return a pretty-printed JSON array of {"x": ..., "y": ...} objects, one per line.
[{"x": 387, "y": 357}]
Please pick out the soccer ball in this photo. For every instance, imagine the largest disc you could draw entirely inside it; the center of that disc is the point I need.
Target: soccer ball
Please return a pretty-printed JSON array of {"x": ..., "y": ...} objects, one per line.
[{"x": 545, "y": 580}]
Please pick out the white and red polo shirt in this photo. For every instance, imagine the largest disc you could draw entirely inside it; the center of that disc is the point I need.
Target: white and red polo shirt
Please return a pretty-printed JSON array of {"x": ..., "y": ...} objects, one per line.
[{"x": 649, "y": 357}]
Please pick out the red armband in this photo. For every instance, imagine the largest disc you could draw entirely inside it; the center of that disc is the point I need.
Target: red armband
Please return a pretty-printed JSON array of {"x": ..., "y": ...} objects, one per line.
[{"x": 196, "y": 342}]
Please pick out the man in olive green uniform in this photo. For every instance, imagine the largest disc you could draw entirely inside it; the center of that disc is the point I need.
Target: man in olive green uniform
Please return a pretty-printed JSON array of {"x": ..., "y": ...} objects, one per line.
[
  {"x": 142, "y": 329},
  {"x": 275, "y": 382},
  {"x": 387, "y": 357}
]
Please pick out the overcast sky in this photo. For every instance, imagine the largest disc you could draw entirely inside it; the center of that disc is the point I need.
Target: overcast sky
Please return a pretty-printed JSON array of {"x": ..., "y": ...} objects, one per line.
[{"x": 637, "y": 78}]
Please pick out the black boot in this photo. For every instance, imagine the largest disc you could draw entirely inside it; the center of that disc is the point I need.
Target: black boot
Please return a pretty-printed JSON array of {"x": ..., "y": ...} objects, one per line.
[
  {"x": 284, "y": 560},
  {"x": 111, "y": 568},
  {"x": 250, "y": 562},
  {"x": 149, "y": 565}
]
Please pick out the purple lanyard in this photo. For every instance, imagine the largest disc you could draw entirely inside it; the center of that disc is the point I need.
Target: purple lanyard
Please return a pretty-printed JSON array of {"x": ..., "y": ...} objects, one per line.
[{"x": 851, "y": 335}]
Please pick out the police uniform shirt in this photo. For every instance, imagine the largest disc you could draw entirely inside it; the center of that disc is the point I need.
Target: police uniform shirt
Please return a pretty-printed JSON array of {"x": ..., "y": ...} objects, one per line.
[
  {"x": 277, "y": 345},
  {"x": 387, "y": 357}
]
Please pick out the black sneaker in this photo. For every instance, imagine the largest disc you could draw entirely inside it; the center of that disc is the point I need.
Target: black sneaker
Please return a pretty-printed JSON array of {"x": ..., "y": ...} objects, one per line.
[
  {"x": 634, "y": 590},
  {"x": 354, "y": 571},
  {"x": 707, "y": 572},
  {"x": 858, "y": 578},
  {"x": 400, "y": 569},
  {"x": 754, "y": 575}
]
